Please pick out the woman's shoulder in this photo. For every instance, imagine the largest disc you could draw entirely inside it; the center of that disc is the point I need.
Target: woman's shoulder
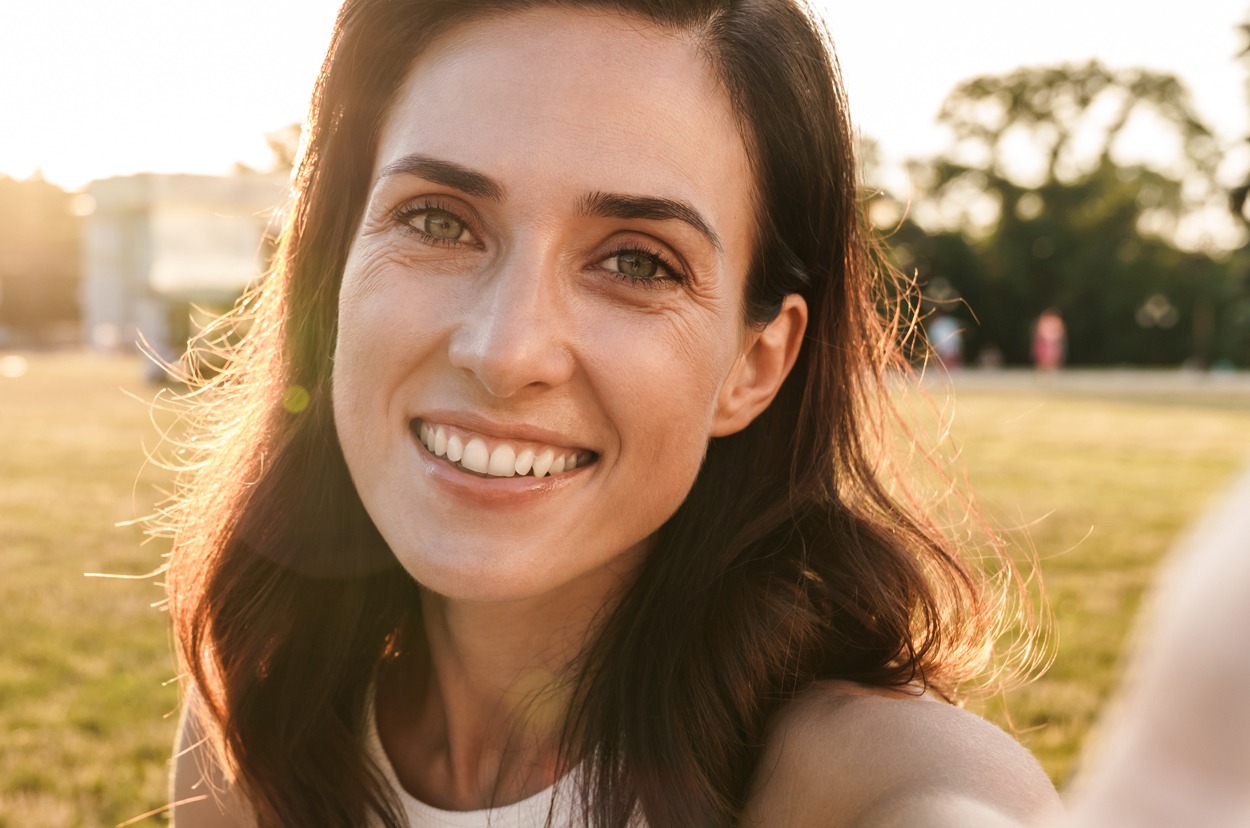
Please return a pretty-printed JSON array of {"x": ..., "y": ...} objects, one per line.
[{"x": 842, "y": 754}]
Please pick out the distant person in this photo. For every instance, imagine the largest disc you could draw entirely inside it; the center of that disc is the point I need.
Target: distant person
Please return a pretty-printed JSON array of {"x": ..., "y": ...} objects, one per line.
[
  {"x": 990, "y": 358},
  {"x": 946, "y": 337},
  {"x": 1175, "y": 747},
  {"x": 1049, "y": 341}
]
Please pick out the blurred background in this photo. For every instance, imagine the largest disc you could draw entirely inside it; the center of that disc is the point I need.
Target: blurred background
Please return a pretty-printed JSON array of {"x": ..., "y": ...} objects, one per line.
[{"x": 1066, "y": 182}]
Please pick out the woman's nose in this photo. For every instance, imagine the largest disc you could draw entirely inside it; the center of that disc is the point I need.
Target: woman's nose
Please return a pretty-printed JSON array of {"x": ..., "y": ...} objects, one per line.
[{"x": 513, "y": 337}]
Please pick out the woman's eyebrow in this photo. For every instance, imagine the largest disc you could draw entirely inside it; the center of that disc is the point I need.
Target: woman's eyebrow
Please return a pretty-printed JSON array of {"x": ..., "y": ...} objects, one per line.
[
  {"x": 607, "y": 205},
  {"x": 616, "y": 205},
  {"x": 447, "y": 173}
]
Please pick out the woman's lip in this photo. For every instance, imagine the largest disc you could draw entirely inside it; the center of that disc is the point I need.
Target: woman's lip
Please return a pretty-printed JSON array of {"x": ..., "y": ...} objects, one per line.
[
  {"x": 502, "y": 430},
  {"x": 496, "y": 492},
  {"x": 501, "y": 461}
]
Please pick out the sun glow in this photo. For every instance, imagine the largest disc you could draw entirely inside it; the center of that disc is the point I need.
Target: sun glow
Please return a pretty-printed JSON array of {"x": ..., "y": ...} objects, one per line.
[{"x": 91, "y": 89}]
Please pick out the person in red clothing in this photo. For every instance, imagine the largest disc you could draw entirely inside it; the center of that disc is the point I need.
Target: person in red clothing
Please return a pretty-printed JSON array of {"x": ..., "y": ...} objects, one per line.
[{"x": 1049, "y": 341}]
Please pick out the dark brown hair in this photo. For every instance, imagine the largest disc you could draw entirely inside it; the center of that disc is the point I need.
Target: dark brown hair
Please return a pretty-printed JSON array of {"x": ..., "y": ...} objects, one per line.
[{"x": 787, "y": 563}]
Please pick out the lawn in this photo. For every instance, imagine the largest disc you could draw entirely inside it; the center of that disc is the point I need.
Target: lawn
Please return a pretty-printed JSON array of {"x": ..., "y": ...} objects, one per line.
[
  {"x": 1099, "y": 477},
  {"x": 86, "y": 710}
]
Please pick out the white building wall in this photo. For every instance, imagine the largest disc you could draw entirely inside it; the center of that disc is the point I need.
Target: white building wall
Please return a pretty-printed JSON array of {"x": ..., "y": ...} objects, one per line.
[{"x": 155, "y": 243}]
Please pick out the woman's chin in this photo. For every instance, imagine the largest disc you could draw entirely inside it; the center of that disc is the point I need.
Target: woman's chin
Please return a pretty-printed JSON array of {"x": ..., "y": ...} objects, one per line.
[{"x": 538, "y": 573}]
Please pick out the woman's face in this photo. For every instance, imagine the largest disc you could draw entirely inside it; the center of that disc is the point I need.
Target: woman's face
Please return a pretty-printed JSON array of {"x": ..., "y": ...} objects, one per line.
[{"x": 540, "y": 316}]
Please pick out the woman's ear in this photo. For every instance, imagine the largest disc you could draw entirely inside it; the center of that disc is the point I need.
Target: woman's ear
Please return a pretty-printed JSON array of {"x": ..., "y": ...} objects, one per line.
[{"x": 761, "y": 368}]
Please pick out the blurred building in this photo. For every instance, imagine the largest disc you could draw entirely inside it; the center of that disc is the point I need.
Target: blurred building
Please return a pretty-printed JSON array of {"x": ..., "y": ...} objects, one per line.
[{"x": 155, "y": 246}]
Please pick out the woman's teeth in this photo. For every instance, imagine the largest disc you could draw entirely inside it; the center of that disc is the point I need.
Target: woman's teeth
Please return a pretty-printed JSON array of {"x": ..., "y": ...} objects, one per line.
[{"x": 471, "y": 452}]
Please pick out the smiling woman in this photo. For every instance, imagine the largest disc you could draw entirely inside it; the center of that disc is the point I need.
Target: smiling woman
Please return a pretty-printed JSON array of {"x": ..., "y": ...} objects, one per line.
[
  {"x": 580, "y": 525},
  {"x": 555, "y": 298}
]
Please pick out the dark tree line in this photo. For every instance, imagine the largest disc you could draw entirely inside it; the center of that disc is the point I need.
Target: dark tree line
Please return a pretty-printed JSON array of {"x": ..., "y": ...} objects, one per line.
[
  {"x": 39, "y": 262},
  {"x": 1094, "y": 237}
]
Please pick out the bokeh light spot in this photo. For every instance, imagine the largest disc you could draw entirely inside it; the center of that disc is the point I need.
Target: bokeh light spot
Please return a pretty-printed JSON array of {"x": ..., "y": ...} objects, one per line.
[
  {"x": 296, "y": 399},
  {"x": 13, "y": 366}
]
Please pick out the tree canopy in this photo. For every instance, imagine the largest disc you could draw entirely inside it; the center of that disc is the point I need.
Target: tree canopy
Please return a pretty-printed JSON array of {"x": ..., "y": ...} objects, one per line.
[{"x": 1039, "y": 204}]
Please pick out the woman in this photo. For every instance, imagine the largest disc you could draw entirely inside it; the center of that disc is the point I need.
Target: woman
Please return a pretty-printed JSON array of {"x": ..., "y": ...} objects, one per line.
[{"x": 541, "y": 485}]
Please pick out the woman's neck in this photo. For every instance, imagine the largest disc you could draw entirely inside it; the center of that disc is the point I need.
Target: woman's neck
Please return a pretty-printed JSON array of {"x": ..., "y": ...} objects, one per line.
[{"x": 473, "y": 717}]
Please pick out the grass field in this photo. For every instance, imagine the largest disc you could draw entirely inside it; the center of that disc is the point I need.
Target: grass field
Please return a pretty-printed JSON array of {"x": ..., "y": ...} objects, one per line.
[
  {"x": 85, "y": 708},
  {"x": 1103, "y": 475}
]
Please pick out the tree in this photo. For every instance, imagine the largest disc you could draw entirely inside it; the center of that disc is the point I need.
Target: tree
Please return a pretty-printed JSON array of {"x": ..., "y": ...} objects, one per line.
[
  {"x": 1032, "y": 208},
  {"x": 39, "y": 266}
]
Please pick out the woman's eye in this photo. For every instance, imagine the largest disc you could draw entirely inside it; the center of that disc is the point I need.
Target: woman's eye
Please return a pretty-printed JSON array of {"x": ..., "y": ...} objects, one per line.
[
  {"x": 635, "y": 265},
  {"x": 641, "y": 267},
  {"x": 442, "y": 225},
  {"x": 437, "y": 225}
]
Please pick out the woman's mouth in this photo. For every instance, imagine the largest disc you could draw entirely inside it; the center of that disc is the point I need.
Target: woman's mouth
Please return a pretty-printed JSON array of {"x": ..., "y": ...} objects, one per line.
[{"x": 495, "y": 457}]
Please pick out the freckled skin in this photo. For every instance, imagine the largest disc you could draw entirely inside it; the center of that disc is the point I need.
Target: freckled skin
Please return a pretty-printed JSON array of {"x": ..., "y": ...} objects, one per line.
[{"x": 526, "y": 319}]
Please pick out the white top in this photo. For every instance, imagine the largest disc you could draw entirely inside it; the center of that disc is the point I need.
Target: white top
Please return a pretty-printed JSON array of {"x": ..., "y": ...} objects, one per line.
[{"x": 527, "y": 813}]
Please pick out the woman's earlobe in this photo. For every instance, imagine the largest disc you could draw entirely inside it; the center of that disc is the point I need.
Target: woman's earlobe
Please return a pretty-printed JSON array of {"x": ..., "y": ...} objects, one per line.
[{"x": 761, "y": 369}]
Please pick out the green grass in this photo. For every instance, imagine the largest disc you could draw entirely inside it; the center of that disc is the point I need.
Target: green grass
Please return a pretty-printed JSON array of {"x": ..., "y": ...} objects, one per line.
[
  {"x": 1103, "y": 479},
  {"x": 1104, "y": 483},
  {"x": 85, "y": 710}
]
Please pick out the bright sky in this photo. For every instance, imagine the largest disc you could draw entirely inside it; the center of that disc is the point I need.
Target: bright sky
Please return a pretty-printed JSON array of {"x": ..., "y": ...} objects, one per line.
[{"x": 94, "y": 88}]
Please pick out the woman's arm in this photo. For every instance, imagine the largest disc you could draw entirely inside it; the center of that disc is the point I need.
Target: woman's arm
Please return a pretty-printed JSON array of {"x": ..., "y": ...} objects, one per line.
[
  {"x": 200, "y": 794},
  {"x": 841, "y": 756},
  {"x": 1175, "y": 749}
]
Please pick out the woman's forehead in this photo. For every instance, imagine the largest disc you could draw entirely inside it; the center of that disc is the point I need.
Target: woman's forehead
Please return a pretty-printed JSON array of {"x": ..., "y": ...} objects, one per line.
[{"x": 575, "y": 101}]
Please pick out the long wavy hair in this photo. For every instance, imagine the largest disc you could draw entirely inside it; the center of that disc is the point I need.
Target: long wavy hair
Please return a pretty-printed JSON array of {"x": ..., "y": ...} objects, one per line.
[{"x": 793, "y": 559}]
